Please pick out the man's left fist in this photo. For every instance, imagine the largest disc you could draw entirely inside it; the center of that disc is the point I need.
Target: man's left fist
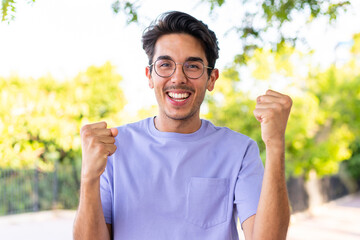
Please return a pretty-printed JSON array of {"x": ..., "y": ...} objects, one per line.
[{"x": 272, "y": 111}]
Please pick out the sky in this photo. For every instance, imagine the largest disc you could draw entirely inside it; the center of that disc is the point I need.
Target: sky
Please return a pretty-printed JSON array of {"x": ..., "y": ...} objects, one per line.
[{"x": 65, "y": 37}]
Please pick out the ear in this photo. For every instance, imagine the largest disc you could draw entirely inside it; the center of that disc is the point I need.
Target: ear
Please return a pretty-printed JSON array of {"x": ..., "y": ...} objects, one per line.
[
  {"x": 213, "y": 77},
  {"x": 148, "y": 75}
]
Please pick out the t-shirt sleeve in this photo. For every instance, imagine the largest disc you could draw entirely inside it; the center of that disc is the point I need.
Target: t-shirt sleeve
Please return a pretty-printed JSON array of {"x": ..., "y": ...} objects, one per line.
[
  {"x": 249, "y": 182},
  {"x": 106, "y": 195}
]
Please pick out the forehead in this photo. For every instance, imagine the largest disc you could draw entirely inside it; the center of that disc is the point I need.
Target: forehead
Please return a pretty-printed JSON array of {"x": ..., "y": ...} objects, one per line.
[{"x": 179, "y": 46}]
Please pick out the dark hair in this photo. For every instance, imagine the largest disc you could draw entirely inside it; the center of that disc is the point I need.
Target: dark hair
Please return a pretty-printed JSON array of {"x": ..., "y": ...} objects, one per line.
[{"x": 179, "y": 22}]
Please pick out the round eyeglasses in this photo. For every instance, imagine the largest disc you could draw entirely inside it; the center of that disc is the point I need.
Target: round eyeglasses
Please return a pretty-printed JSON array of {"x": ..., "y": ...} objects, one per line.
[{"x": 167, "y": 67}]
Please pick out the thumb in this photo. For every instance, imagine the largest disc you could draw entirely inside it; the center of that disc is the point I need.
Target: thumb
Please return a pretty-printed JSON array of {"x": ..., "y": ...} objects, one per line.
[{"x": 114, "y": 132}]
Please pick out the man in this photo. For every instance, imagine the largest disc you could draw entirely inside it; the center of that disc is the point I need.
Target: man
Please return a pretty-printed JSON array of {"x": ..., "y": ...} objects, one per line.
[{"x": 176, "y": 176}]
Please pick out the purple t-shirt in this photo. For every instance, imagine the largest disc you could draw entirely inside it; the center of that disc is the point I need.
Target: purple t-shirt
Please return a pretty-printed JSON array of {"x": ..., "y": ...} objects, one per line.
[{"x": 164, "y": 185}]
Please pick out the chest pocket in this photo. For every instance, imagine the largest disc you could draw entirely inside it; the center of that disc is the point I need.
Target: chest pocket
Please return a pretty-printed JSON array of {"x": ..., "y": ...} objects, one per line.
[{"x": 207, "y": 201}]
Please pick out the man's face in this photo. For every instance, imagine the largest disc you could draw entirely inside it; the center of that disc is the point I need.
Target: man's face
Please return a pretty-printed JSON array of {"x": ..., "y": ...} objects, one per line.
[{"x": 179, "y": 97}]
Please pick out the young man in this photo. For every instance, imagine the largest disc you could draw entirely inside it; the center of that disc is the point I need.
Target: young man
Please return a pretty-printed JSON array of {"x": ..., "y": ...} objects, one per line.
[{"x": 176, "y": 176}]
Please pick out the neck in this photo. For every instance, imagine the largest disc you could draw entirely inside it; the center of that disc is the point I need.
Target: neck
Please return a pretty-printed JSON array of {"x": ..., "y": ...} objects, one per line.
[{"x": 166, "y": 124}]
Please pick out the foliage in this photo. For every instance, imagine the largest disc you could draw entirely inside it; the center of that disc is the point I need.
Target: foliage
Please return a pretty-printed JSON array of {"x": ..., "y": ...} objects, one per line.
[
  {"x": 262, "y": 19},
  {"x": 8, "y": 10},
  {"x": 40, "y": 119},
  {"x": 40, "y": 123},
  {"x": 353, "y": 164},
  {"x": 128, "y": 8},
  {"x": 324, "y": 123}
]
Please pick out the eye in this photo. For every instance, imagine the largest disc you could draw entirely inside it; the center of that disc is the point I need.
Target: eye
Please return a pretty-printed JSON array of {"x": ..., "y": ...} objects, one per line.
[
  {"x": 164, "y": 64},
  {"x": 193, "y": 66}
]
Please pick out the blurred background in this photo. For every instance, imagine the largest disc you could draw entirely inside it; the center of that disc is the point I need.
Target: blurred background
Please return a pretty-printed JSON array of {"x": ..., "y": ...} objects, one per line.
[{"x": 67, "y": 63}]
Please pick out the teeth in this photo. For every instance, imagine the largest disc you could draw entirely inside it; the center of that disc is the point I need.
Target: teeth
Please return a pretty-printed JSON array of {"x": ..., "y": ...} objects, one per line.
[
  {"x": 178, "y": 96},
  {"x": 178, "y": 100}
]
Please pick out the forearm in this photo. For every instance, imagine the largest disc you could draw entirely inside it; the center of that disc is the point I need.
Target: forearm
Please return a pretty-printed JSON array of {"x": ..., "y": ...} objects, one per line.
[
  {"x": 89, "y": 222},
  {"x": 273, "y": 214}
]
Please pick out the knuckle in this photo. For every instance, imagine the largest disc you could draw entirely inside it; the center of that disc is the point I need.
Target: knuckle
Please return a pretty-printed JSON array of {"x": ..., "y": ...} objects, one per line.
[
  {"x": 85, "y": 133},
  {"x": 277, "y": 107},
  {"x": 83, "y": 129},
  {"x": 100, "y": 148},
  {"x": 102, "y": 124},
  {"x": 108, "y": 132},
  {"x": 287, "y": 100},
  {"x": 284, "y": 101},
  {"x": 290, "y": 101},
  {"x": 89, "y": 133}
]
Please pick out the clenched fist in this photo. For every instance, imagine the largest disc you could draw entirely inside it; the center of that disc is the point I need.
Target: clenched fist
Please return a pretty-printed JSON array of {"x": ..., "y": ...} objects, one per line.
[
  {"x": 272, "y": 111},
  {"x": 97, "y": 143}
]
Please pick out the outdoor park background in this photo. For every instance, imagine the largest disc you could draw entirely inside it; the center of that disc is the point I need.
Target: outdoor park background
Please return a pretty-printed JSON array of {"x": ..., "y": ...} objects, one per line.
[{"x": 67, "y": 63}]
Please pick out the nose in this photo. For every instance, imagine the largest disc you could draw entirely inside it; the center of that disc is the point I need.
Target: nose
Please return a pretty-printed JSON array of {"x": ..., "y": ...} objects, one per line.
[{"x": 179, "y": 76}]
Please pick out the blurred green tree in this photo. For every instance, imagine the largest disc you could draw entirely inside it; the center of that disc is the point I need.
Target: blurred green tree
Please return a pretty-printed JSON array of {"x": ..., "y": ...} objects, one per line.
[
  {"x": 40, "y": 119},
  {"x": 324, "y": 125}
]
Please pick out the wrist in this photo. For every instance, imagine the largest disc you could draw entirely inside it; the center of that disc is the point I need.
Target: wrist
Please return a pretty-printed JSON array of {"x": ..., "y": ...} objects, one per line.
[
  {"x": 89, "y": 187},
  {"x": 275, "y": 157},
  {"x": 89, "y": 192},
  {"x": 88, "y": 180},
  {"x": 90, "y": 174},
  {"x": 275, "y": 144}
]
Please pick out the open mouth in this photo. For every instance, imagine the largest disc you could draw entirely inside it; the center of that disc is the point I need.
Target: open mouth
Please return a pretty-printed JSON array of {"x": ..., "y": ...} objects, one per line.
[{"x": 179, "y": 97}]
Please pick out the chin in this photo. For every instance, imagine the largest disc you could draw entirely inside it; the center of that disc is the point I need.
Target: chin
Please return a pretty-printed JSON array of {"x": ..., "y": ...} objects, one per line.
[{"x": 180, "y": 116}]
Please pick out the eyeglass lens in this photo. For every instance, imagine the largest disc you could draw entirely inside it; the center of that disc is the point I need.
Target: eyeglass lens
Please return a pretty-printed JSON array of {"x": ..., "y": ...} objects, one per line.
[{"x": 167, "y": 67}]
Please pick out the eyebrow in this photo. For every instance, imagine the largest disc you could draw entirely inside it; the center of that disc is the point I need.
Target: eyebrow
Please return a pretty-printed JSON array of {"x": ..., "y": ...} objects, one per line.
[
  {"x": 198, "y": 59},
  {"x": 167, "y": 57}
]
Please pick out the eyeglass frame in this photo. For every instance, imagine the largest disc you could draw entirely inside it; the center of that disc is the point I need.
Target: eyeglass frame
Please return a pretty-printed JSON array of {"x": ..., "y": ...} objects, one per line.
[{"x": 189, "y": 60}]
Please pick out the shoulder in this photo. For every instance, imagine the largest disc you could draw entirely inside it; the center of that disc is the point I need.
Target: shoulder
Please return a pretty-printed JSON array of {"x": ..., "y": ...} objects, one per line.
[
  {"x": 135, "y": 126},
  {"x": 229, "y": 134},
  {"x": 230, "y": 141}
]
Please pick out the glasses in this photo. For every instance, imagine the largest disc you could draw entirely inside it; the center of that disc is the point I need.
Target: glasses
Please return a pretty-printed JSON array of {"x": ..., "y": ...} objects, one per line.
[{"x": 166, "y": 68}]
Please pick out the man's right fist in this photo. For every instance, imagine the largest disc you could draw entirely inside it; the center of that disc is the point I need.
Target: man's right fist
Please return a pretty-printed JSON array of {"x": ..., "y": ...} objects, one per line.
[{"x": 97, "y": 143}]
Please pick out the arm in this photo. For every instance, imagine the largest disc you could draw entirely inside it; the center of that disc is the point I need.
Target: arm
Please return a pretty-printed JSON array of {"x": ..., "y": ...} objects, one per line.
[
  {"x": 273, "y": 214},
  {"x": 89, "y": 222},
  {"x": 97, "y": 145}
]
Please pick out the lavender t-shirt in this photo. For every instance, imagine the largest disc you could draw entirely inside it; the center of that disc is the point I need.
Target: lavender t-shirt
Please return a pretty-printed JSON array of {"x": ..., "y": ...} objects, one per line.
[{"x": 163, "y": 185}]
